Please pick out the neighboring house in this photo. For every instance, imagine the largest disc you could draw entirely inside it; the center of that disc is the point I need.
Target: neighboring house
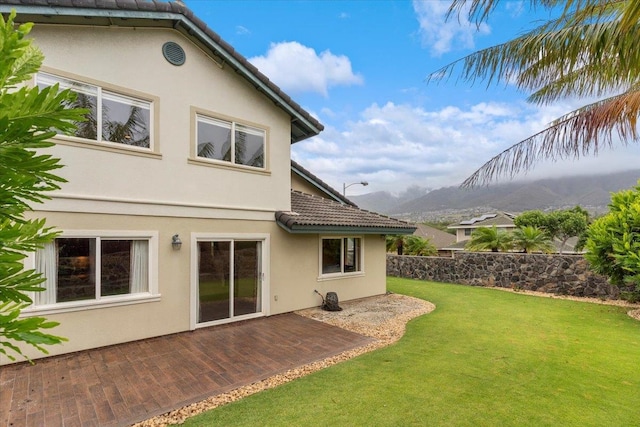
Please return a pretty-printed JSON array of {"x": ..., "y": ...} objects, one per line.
[
  {"x": 464, "y": 229},
  {"x": 501, "y": 220},
  {"x": 440, "y": 239},
  {"x": 179, "y": 211}
]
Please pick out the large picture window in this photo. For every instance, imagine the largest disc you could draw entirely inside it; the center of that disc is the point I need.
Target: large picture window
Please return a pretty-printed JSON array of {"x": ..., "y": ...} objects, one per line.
[
  {"x": 228, "y": 141},
  {"x": 341, "y": 255},
  {"x": 92, "y": 268},
  {"x": 112, "y": 118}
]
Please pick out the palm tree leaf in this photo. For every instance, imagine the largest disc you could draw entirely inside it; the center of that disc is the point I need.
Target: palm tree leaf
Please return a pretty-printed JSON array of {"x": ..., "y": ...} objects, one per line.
[
  {"x": 479, "y": 10},
  {"x": 581, "y": 132},
  {"x": 588, "y": 58}
]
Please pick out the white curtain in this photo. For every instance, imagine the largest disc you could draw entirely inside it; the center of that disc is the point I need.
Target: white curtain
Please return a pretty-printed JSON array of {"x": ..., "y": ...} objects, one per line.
[
  {"x": 47, "y": 264},
  {"x": 139, "y": 266}
]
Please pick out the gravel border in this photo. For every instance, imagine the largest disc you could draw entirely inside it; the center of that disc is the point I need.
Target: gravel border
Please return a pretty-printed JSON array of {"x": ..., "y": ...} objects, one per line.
[{"x": 382, "y": 317}]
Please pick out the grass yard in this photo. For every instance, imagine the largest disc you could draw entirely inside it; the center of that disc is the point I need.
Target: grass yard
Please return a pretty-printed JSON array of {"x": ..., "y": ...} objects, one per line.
[{"x": 483, "y": 358}]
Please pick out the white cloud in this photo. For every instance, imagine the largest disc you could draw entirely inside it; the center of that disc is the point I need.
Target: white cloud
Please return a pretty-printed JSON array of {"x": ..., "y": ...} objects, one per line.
[
  {"x": 298, "y": 68},
  {"x": 515, "y": 8},
  {"x": 242, "y": 30},
  {"x": 395, "y": 146},
  {"x": 441, "y": 35}
]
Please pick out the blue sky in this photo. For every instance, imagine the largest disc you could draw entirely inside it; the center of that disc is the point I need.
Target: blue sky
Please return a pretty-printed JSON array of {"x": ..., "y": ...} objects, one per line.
[{"x": 360, "y": 68}]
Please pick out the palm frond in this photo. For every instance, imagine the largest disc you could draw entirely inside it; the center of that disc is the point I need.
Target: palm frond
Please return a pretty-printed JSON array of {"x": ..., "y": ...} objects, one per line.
[
  {"x": 599, "y": 54},
  {"x": 630, "y": 14},
  {"x": 479, "y": 10},
  {"x": 207, "y": 149},
  {"x": 581, "y": 132}
]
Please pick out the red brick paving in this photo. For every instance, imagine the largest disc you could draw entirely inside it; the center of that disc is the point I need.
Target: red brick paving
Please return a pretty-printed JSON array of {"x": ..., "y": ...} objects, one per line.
[{"x": 126, "y": 383}]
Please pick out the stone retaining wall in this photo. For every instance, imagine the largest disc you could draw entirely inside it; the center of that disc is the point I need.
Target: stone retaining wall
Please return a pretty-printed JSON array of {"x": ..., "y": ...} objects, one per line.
[{"x": 558, "y": 274}]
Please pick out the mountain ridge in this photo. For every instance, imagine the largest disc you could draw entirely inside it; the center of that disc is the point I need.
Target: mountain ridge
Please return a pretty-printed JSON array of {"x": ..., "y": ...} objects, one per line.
[{"x": 592, "y": 192}]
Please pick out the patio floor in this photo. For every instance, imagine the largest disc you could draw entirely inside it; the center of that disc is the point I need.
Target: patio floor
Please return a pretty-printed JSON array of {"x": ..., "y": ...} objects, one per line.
[{"x": 127, "y": 383}]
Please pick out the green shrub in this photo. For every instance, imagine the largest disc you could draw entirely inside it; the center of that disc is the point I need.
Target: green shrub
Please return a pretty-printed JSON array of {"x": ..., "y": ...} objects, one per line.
[
  {"x": 613, "y": 242},
  {"x": 28, "y": 116}
]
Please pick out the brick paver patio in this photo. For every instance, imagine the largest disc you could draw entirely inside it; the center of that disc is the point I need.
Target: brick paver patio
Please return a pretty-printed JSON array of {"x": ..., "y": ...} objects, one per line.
[{"x": 126, "y": 383}]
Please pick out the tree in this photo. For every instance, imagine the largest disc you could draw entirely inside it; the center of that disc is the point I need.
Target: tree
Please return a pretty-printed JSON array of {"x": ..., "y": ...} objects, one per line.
[
  {"x": 566, "y": 224},
  {"x": 126, "y": 132},
  {"x": 396, "y": 243},
  {"x": 613, "y": 241},
  {"x": 489, "y": 239},
  {"x": 532, "y": 239},
  {"x": 419, "y": 246},
  {"x": 531, "y": 219},
  {"x": 589, "y": 51},
  {"x": 27, "y": 119},
  {"x": 562, "y": 224}
]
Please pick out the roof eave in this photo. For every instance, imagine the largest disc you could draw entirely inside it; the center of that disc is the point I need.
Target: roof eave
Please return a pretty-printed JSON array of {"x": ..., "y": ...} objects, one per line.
[
  {"x": 261, "y": 86},
  {"x": 339, "y": 229},
  {"x": 184, "y": 25},
  {"x": 311, "y": 180}
]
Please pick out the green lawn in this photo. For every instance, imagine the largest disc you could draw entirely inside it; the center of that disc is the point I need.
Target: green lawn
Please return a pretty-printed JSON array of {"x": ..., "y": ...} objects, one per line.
[
  {"x": 218, "y": 290},
  {"x": 482, "y": 358}
]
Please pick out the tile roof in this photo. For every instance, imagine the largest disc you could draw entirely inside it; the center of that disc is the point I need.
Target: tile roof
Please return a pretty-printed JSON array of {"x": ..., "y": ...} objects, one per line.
[
  {"x": 161, "y": 14},
  {"x": 441, "y": 239},
  {"x": 320, "y": 184},
  {"x": 313, "y": 214}
]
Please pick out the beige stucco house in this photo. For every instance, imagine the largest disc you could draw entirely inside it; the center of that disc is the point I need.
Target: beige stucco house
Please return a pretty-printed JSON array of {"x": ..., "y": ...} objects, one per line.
[
  {"x": 464, "y": 229},
  {"x": 182, "y": 208},
  {"x": 500, "y": 220}
]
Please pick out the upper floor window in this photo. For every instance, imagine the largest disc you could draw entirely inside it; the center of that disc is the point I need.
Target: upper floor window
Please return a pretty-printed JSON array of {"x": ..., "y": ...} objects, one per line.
[
  {"x": 230, "y": 142},
  {"x": 112, "y": 118},
  {"x": 468, "y": 231}
]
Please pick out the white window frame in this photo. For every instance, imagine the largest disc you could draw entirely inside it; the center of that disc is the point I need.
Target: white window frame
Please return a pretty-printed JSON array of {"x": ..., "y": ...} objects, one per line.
[
  {"x": 151, "y": 295},
  {"x": 101, "y": 93},
  {"x": 341, "y": 274},
  {"x": 232, "y": 125},
  {"x": 265, "y": 238}
]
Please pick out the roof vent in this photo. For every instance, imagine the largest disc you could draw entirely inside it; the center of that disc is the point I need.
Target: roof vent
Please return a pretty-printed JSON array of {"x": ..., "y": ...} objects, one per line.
[{"x": 173, "y": 53}]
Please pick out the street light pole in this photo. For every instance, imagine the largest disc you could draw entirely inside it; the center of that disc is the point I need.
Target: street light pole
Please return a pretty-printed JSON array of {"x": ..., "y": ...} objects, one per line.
[{"x": 345, "y": 186}]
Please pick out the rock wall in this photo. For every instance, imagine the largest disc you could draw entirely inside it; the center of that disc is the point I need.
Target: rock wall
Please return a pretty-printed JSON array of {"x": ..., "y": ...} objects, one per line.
[{"x": 558, "y": 274}]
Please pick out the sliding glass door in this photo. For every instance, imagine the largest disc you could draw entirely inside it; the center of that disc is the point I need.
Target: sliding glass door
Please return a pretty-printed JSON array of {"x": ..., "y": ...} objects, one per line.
[{"x": 229, "y": 279}]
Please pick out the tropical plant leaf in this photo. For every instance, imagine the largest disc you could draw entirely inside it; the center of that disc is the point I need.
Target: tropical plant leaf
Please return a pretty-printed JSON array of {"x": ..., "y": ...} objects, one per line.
[
  {"x": 29, "y": 118},
  {"x": 589, "y": 50}
]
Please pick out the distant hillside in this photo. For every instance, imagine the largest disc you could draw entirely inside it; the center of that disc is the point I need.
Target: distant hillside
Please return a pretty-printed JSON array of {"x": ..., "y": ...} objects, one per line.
[
  {"x": 591, "y": 192},
  {"x": 383, "y": 201}
]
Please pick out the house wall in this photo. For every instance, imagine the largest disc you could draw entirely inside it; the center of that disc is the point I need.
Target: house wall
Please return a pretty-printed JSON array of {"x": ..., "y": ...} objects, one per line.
[
  {"x": 299, "y": 184},
  {"x": 292, "y": 280},
  {"x": 167, "y": 193},
  {"x": 460, "y": 236},
  {"x": 299, "y": 271},
  {"x": 132, "y": 59}
]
